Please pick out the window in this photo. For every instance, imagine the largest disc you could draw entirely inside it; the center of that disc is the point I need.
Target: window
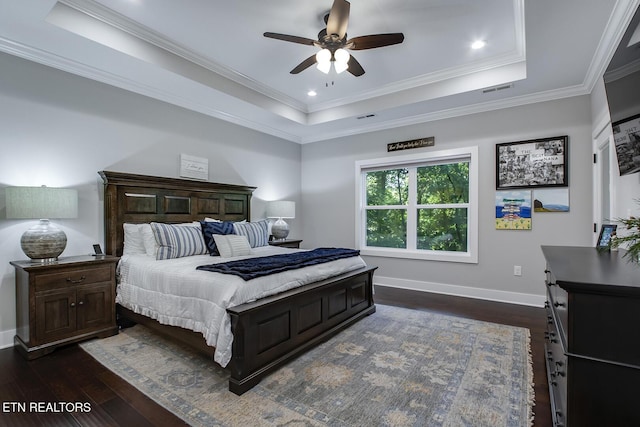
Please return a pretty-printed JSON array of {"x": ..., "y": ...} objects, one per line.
[{"x": 419, "y": 206}]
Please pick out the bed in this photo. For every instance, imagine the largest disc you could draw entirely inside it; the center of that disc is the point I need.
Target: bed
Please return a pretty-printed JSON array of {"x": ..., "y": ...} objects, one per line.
[{"x": 266, "y": 332}]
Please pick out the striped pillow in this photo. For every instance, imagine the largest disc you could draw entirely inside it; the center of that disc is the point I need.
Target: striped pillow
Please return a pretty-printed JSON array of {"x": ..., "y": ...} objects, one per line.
[
  {"x": 178, "y": 241},
  {"x": 232, "y": 245},
  {"x": 257, "y": 233}
]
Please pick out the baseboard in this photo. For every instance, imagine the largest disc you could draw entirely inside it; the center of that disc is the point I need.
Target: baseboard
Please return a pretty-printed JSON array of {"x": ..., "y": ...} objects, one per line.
[
  {"x": 6, "y": 338},
  {"x": 462, "y": 291}
]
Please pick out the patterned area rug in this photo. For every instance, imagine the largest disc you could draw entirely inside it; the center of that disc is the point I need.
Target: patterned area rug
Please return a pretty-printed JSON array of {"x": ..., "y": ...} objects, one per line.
[{"x": 397, "y": 367}]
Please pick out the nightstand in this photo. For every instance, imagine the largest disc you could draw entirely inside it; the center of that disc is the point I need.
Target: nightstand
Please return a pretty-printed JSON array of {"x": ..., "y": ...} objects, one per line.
[
  {"x": 62, "y": 302},
  {"x": 286, "y": 243}
]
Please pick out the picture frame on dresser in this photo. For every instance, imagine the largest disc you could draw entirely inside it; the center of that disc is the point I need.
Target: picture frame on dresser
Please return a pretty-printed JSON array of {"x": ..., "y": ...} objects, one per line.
[
  {"x": 532, "y": 163},
  {"x": 604, "y": 238}
]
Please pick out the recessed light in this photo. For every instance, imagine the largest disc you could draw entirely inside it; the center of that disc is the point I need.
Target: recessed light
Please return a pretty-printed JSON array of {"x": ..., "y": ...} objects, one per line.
[
  {"x": 312, "y": 93},
  {"x": 478, "y": 44}
]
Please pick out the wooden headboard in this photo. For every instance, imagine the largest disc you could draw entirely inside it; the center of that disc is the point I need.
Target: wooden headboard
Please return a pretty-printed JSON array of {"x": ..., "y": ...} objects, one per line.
[{"x": 130, "y": 198}]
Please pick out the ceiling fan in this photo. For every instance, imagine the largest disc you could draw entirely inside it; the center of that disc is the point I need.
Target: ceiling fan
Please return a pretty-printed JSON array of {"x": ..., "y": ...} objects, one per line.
[{"x": 333, "y": 43}]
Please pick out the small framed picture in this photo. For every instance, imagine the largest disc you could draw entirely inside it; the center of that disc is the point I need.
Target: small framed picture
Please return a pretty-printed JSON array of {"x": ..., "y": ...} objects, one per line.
[{"x": 606, "y": 232}]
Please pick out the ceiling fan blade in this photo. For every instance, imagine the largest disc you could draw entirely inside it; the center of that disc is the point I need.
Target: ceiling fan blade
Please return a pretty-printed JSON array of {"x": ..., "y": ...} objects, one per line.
[
  {"x": 304, "y": 64},
  {"x": 375, "y": 40},
  {"x": 288, "y": 38},
  {"x": 338, "y": 18},
  {"x": 354, "y": 67}
]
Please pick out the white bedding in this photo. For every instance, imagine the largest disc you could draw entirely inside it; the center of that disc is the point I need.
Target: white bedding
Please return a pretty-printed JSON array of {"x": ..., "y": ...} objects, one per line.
[{"x": 174, "y": 293}]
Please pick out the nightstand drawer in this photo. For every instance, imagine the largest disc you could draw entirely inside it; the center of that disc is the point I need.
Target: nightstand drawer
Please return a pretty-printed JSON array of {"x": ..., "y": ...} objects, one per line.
[{"x": 72, "y": 276}]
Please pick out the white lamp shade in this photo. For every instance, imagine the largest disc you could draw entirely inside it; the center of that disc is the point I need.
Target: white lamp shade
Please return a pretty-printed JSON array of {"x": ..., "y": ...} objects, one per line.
[
  {"x": 281, "y": 209},
  {"x": 41, "y": 202}
]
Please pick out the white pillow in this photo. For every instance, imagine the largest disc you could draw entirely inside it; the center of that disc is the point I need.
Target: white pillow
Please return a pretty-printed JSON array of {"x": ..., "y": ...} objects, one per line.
[
  {"x": 149, "y": 240},
  {"x": 133, "y": 242},
  {"x": 230, "y": 245},
  {"x": 207, "y": 219}
]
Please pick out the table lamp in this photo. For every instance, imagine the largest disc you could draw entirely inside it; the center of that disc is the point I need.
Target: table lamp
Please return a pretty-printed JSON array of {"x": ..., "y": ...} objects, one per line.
[
  {"x": 44, "y": 242},
  {"x": 281, "y": 209}
]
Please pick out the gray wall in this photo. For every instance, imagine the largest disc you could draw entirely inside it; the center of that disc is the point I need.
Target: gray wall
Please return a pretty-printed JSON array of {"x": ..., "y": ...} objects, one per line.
[
  {"x": 60, "y": 130},
  {"x": 328, "y": 180}
]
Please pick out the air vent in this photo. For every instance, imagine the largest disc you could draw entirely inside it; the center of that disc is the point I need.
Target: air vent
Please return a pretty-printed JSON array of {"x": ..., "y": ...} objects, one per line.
[
  {"x": 365, "y": 116},
  {"x": 497, "y": 88}
]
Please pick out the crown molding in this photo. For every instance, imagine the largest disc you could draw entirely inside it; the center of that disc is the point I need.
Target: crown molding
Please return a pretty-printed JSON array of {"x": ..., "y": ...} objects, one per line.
[
  {"x": 73, "y": 67},
  {"x": 466, "y": 110},
  {"x": 614, "y": 31},
  {"x": 114, "y": 19}
]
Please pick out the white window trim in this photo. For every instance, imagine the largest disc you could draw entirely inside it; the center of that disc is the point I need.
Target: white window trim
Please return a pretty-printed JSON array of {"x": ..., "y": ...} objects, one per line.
[{"x": 471, "y": 256}]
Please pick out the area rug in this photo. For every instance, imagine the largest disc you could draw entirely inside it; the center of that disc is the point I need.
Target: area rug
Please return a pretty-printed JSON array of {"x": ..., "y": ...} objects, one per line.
[{"x": 397, "y": 367}]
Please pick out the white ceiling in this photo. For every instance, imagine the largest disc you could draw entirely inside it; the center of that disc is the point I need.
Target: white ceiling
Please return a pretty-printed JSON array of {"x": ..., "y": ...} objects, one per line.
[{"x": 210, "y": 56}]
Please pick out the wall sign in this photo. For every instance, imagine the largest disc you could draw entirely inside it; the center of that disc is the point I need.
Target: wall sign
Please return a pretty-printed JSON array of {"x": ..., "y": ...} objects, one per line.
[
  {"x": 194, "y": 167},
  {"x": 414, "y": 143}
]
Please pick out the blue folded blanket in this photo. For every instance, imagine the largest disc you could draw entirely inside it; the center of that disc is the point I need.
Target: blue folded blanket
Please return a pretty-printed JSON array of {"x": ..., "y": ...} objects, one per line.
[{"x": 263, "y": 266}]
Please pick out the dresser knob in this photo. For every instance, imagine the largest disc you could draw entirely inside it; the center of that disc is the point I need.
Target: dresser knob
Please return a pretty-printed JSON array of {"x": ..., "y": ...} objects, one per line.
[
  {"x": 80, "y": 302},
  {"x": 73, "y": 304}
]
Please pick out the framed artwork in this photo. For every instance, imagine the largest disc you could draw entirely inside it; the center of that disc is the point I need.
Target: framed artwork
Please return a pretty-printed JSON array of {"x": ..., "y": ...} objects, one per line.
[
  {"x": 626, "y": 134},
  {"x": 533, "y": 163},
  {"x": 513, "y": 210},
  {"x": 551, "y": 200},
  {"x": 606, "y": 232}
]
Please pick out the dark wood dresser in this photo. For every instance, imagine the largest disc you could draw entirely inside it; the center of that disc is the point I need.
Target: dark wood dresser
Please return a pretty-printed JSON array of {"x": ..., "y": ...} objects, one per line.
[
  {"x": 62, "y": 302},
  {"x": 592, "y": 342}
]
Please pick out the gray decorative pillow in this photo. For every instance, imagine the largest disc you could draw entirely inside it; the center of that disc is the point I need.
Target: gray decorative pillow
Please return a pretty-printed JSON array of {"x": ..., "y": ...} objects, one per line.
[
  {"x": 176, "y": 241},
  {"x": 257, "y": 233}
]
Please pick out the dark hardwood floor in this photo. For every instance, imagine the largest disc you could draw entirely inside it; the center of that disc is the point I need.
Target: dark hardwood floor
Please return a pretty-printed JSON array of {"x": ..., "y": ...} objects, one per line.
[{"x": 71, "y": 375}]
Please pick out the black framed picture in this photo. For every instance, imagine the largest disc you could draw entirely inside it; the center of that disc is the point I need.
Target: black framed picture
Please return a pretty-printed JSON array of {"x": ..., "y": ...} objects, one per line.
[
  {"x": 606, "y": 232},
  {"x": 626, "y": 134},
  {"x": 532, "y": 163}
]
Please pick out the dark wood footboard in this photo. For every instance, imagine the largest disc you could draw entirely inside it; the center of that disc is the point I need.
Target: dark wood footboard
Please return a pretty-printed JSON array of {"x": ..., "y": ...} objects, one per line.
[{"x": 269, "y": 332}]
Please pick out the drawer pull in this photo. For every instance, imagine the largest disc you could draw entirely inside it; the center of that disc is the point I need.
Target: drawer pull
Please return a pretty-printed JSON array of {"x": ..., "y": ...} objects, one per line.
[
  {"x": 80, "y": 302},
  {"x": 551, "y": 336},
  {"x": 559, "y": 304},
  {"x": 81, "y": 279}
]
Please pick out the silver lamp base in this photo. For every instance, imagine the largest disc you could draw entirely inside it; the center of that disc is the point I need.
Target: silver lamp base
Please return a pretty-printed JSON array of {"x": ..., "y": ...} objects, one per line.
[
  {"x": 43, "y": 242},
  {"x": 280, "y": 229}
]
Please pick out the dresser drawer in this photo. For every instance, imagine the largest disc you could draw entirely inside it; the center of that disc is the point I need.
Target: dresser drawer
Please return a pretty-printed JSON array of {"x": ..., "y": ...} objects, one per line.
[
  {"x": 72, "y": 276},
  {"x": 556, "y": 365}
]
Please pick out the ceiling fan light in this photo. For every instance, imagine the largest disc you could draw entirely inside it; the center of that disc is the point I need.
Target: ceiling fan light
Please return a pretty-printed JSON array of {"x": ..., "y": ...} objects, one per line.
[
  {"x": 323, "y": 58},
  {"x": 341, "y": 56},
  {"x": 323, "y": 55},
  {"x": 324, "y": 67},
  {"x": 340, "y": 66}
]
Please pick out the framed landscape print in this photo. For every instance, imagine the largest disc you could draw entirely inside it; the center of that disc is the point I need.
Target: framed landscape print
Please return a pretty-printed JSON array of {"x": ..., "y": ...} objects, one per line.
[
  {"x": 626, "y": 134},
  {"x": 533, "y": 163}
]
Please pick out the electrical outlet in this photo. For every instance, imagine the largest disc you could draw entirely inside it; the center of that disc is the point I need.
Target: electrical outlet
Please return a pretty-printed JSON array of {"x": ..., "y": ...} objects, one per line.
[{"x": 517, "y": 270}]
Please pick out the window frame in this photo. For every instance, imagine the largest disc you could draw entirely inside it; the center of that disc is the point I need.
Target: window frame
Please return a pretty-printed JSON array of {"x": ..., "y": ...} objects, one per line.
[{"x": 469, "y": 154}]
